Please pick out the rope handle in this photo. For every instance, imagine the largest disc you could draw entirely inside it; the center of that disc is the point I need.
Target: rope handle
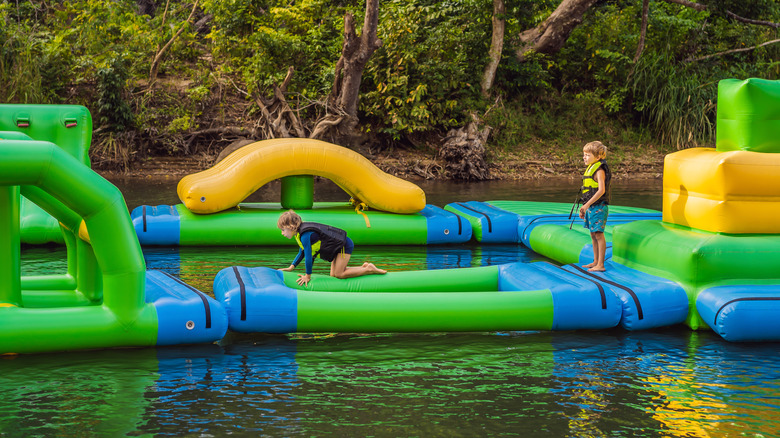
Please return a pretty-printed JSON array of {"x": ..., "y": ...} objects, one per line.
[{"x": 360, "y": 207}]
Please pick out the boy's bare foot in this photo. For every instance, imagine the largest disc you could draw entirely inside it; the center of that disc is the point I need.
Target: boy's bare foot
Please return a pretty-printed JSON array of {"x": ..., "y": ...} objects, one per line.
[
  {"x": 589, "y": 265},
  {"x": 597, "y": 269},
  {"x": 371, "y": 267}
]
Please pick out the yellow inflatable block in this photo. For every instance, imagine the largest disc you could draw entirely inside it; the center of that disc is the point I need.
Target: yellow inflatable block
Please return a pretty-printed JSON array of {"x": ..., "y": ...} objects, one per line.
[
  {"x": 734, "y": 192},
  {"x": 241, "y": 173}
]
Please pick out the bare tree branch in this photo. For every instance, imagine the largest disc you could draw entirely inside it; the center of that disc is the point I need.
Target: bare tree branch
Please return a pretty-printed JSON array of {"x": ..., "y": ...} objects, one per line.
[
  {"x": 287, "y": 79},
  {"x": 749, "y": 21},
  {"x": 700, "y": 7},
  {"x": 158, "y": 57},
  {"x": 325, "y": 124},
  {"x": 744, "y": 49}
]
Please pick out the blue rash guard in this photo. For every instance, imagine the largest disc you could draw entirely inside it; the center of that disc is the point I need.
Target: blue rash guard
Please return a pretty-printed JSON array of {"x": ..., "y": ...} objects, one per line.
[{"x": 308, "y": 238}]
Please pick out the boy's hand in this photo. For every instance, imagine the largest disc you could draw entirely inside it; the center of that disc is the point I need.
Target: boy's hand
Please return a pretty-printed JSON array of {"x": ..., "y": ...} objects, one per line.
[
  {"x": 583, "y": 209},
  {"x": 303, "y": 279},
  {"x": 288, "y": 269}
]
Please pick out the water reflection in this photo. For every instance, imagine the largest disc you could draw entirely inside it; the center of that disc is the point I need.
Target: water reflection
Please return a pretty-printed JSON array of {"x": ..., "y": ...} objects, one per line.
[
  {"x": 671, "y": 382},
  {"x": 613, "y": 383}
]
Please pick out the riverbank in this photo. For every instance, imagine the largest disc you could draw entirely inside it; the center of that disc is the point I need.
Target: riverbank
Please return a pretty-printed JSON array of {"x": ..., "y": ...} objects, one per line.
[{"x": 645, "y": 162}]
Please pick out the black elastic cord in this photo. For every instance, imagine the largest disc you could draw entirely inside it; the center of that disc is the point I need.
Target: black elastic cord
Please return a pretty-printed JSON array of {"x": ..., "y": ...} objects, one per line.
[
  {"x": 743, "y": 299},
  {"x": 242, "y": 289},
  {"x": 598, "y": 285},
  {"x": 639, "y": 312},
  {"x": 490, "y": 225},
  {"x": 200, "y": 294}
]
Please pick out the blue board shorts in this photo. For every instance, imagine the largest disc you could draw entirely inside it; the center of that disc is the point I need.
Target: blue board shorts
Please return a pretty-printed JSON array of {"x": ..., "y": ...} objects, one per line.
[
  {"x": 596, "y": 218},
  {"x": 349, "y": 246}
]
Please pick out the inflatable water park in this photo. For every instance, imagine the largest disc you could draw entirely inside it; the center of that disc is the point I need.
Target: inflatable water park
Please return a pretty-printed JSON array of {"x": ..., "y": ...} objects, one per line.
[{"x": 709, "y": 260}]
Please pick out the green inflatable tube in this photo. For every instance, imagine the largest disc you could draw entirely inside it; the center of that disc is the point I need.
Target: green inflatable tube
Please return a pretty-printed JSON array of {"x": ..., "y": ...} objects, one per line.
[
  {"x": 443, "y": 300},
  {"x": 389, "y": 312},
  {"x": 67, "y": 126},
  {"x": 118, "y": 316},
  {"x": 457, "y": 300}
]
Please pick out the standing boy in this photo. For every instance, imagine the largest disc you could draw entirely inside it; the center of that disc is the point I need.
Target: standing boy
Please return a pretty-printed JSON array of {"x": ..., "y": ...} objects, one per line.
[{"x": 595, "y": 200}]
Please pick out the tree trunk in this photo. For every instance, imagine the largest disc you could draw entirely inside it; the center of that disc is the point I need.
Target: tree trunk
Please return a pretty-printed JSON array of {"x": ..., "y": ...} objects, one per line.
[
  {"x": 552, "y": 33},
  {"x": 355, "y": 53},
  {"x": 463, "y": 152},
  {"x": 643, "y": 33},
  {"x": 496, "y": 46}
]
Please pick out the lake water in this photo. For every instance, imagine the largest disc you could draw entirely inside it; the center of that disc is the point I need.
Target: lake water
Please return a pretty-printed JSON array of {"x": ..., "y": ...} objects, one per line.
[{"x": 670, "y": 382}]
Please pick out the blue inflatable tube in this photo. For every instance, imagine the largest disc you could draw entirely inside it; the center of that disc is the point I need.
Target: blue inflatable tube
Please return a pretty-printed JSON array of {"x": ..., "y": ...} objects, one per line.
[
  {"x": 259, "y": 300},
  {"x": 157, "y": 225},
  {"x": 648, "y": 301},
  {"x": 578, "y": 302},
  {"x": 742, "y": 312},
  {"x": 185, "y": 314},
  {"x": 489, "y": 224}
]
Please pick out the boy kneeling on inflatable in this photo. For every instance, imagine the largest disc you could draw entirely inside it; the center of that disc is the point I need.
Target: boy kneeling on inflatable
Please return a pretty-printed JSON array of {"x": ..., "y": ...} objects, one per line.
[{"x": 323, "y": 241}]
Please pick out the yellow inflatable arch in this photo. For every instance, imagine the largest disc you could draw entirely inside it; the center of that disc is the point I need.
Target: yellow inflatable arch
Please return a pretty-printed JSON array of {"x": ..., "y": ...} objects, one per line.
[{"x": 239, "y": 175}]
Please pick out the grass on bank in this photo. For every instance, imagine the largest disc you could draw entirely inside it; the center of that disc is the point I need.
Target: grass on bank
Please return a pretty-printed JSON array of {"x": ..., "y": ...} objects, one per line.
[{"x": 556, "y": 128}]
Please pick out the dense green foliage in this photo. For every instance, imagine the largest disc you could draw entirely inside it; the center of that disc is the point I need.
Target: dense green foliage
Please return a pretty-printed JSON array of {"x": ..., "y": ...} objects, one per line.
[{"x": 423, "y": 81}]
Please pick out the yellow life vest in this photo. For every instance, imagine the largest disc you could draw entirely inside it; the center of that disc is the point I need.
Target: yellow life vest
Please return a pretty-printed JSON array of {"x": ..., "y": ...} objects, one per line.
[
  {"x": 315, "y": 247},
  {"x": 590, "y": 185}
]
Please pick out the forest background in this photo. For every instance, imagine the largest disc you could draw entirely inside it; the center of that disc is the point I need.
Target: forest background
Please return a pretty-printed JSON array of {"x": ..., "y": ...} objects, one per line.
[{"x": 459, "y": 89}]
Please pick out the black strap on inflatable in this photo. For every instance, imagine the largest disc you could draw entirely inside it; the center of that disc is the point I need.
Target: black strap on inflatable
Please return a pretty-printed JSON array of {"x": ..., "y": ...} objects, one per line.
[
  {"x": 143, "y": 210},
  {"x": 242, "y": 289},
  {"x": 598, "y": 285},
  {"x": 639, "y": 313},
  {"x": 490, "y": 225},
  {"x": 460, "y": 224},
  {"x": 199, "y": 293},
  {"x": 536, "y": 219},
  {"x": 743, "y": 299}
]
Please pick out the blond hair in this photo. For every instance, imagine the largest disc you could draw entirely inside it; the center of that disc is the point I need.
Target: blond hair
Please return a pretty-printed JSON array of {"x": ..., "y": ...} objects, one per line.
[
  {"x": 289, "y": 219},
  {"x": 596, "y": 148}
]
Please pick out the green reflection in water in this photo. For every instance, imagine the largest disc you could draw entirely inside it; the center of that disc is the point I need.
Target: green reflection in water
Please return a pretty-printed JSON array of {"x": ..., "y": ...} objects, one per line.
[
  {"x": 91, "y": 394},
  {"x": 432, "y": 385},
  {"x": 585, "y": 384}
]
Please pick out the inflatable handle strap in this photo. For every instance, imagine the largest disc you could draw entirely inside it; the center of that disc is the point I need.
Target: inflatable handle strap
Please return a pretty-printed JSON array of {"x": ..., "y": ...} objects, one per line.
[{"x": 360, "y": 207}]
